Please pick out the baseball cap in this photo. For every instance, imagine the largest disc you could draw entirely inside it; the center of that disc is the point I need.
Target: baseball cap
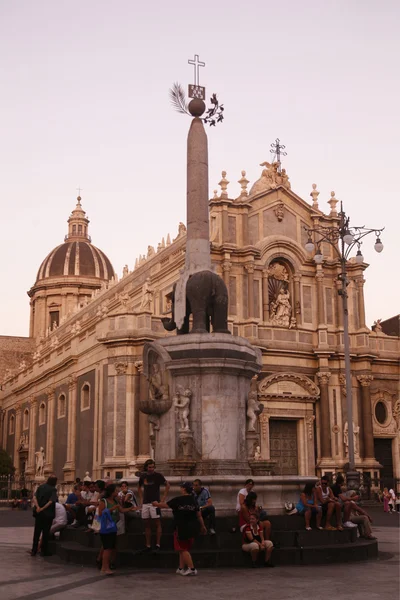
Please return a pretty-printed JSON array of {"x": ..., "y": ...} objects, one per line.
[{"x": 186, "y": 485}]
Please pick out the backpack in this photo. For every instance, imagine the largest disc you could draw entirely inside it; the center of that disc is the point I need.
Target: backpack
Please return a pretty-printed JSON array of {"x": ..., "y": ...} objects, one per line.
[{"x": 107, "y": 524}]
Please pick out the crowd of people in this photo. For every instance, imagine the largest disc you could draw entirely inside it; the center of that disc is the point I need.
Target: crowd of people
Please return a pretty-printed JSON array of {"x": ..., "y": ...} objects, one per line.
[{"x": 100, "y": 507}]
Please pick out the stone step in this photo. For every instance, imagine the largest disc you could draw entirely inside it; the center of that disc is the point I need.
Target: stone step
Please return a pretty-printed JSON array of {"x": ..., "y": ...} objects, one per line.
[{"x": 360, "y": 550}]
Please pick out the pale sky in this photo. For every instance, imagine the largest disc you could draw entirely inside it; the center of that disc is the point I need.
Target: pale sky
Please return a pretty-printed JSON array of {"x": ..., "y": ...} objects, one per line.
[{"x": 84, "y": 102}]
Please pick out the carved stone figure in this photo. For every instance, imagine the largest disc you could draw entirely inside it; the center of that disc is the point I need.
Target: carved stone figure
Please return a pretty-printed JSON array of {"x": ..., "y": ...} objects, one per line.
[
  {"x": 157, "y": 389},
  {"x": 87, "y": 477},
  {"x": 254, "y": 408},
  {"x": 181, "y": 401},
  {"x": 377, "y": 325},
  {"x": 280, "y": 211},
  {"x": 39, "y": 459},
  {"x": 257, "y": 453},
  {"x": 356, "y": 431},
  {"x": 125, "y": 271},
  {"x": 281, "y": 309},
  {"x": 147, "y": 295},
  {"x": 150, "y": 251},
  {"x": 206, "y": 300},
  {"x": 396, "y": 413}
]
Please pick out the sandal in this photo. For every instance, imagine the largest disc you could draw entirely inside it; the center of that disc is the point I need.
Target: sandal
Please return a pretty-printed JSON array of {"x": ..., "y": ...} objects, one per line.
[
  {"x": 320, "y": 528},
  {"x": 308, "y": 528},
  {"x": 340, "y": 528}
]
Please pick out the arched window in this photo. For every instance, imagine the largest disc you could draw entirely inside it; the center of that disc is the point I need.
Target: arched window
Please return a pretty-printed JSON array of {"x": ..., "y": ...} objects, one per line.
[
  {"x": 25, "y": 419},
  {"x": 11, "y": 426},
  {"x": 73, "y": 228},
  {"x": 61, "y": 406},
  {"x": 85, "y": 396},
  {"x": 42, "y": 414}
]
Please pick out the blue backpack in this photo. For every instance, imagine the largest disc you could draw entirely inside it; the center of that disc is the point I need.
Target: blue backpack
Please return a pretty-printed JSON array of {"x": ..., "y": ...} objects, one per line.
[{"x": 107, "y": 524}]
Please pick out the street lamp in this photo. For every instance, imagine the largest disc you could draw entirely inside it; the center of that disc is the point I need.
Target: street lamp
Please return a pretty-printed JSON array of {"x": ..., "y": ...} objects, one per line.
[{"x": 343, "y": 239}]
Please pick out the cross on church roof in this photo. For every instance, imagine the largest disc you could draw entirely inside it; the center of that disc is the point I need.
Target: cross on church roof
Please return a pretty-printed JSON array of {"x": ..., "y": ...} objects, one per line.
[
  {"x": 276, "y": 150},
  {"x": 195, "y": 90}
]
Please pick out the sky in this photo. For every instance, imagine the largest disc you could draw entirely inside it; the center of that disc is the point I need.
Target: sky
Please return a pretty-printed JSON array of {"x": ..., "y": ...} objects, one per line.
[{"x": 84, "y": 103}]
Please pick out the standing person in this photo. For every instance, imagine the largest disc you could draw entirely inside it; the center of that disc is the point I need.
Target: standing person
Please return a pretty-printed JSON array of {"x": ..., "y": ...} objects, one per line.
[
  {"x": 149, "y": 492},
  {"x": 392, "y": 501},
  {"x": 203, "y": 497},
  {"x": 109, "y": 538},
  {"x": 386, "y": 500},
  {"x": 44, "y": 505},
  {"x": 188, "y": 521},
  {"x": 329, "y": 505}
]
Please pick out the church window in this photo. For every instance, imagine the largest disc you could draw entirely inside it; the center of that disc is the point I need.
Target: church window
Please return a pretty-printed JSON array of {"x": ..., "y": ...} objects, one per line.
[
  {"x": 11, "y": 427},
  {"x": 61, "y": 406},
  {"x": 73, "y": 228},
  {"x": 381, "y": 412},
  {"x": 25, "y": 419},
  {"x": 54, "y": 318},
  {"x": 85, "y": 396},
  {"x": 42, "y": 414},
  {"x": 80, "y": 229}
]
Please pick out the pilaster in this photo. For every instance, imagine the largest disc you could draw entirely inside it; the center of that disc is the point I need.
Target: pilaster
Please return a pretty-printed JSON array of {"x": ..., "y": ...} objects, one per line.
[
  {"x": 366, "y": 416},
  {"x": 325, "y": 429},
  {"x": 17, "y": 436},
  {"x": 50, "y": 430}
]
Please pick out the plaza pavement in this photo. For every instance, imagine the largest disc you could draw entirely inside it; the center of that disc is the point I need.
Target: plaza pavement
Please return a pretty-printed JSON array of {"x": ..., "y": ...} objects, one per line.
[{"x": 35, "y": 578}]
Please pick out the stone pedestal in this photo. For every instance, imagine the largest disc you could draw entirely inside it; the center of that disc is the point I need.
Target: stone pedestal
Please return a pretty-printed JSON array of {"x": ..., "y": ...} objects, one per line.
[
  {"x": 262, "y": 467},
  {"x": 214, "y": 371}
]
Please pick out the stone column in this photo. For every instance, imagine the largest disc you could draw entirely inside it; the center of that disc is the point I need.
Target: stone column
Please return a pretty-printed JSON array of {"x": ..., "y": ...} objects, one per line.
[
  {"x": 366, "y": 415},
  {"x": 265, "y": 295},
  {"x": 70, "y": 464},
  {"x": 320, "y": 295},
  {"x": 297, "y": 299},
  {"x": 226, "y": 269},
  {"x": 361, "y": 305},
  {"x": 264, "y": 435},
  {"x": 17, "y": 436},
  {"x": 32, "y": 435},
  {"x": 325, "y": 429},
  {"x": 50, "y": 430},
  {"x": 250, "y": 286}
]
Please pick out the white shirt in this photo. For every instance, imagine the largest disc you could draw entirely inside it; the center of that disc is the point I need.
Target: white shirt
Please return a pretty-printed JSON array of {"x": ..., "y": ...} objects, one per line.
[
  {"x": 61, "y": 515},
  {"x": 392, "y": 496},
  {"x": 244, "y": 493}
]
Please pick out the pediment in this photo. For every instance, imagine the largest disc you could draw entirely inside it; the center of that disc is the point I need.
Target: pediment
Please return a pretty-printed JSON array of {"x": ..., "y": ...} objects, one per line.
[{"x": 288, "y": 385}]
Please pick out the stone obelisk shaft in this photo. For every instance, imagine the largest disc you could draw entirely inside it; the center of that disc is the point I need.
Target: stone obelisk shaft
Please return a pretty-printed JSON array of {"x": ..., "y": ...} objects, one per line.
[{"x": 198, "y": 235}]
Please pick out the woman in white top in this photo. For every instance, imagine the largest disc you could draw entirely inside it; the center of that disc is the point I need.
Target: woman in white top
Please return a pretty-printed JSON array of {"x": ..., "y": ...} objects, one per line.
[{"x": 242, "y": 495}]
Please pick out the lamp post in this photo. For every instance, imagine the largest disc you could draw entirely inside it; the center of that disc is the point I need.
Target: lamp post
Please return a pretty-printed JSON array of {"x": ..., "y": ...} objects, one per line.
[{"x": 343, "y": 239}]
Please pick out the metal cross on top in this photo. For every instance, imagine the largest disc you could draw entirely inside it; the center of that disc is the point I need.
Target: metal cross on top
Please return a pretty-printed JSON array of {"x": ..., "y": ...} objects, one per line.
[
  {"x": 276, "y": 150},
  {"x": 195, "y": 90}
]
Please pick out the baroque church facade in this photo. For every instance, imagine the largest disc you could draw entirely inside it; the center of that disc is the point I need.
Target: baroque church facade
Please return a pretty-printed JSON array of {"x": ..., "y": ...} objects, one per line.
[{"x": 70, "y": 393}]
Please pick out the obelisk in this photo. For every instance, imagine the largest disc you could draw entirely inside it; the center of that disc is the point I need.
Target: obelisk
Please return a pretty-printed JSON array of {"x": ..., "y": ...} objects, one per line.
[{"x": 198, "y": 229}]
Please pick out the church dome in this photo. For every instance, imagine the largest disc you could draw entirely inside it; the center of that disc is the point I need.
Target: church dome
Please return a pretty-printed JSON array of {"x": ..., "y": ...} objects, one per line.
[{"x": 76, "y": 257}]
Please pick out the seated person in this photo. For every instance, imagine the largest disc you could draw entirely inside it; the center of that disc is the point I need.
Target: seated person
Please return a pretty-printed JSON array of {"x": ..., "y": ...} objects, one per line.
[
  {"x": 248, "y": 487},
  {"x": 126, "y": 497},
  {"x": 72, "y": 500},
  {"x": 361, "y": 518},
  {"x": 254, "y": 542},
  {"x": 249, "y": 507},
  {"x": 203, "y": 497},
  {"x": 338, "y": 489},
  {"x": 308, "y": 505},
  {"x": 60, "y": 520},
  {"x": 329, "y": 504}
]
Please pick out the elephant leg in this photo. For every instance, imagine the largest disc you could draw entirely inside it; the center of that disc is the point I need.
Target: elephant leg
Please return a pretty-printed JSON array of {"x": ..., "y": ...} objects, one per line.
[
  {"x": 200, "y": 321},
  {"x": 219, "y": 318}
]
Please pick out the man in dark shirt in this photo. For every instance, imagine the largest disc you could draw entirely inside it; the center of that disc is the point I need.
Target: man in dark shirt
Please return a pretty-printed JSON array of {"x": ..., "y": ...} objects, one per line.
[
  {"x": 188, "y": 523},
  {"x": 149, "y": 491},
  {"x": 44, "y": 505}
]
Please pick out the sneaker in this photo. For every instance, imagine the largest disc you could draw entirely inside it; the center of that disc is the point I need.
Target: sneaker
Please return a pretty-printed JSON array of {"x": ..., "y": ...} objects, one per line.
[
  {"x": 349, "y": 525},
  {"x": 211, "y": 531},
  {"x": 157, "y": 549},
  {"x": 179, "y": 571},
  {"x": 144, "y": 550},
  {"x": 189, "y": 572}
]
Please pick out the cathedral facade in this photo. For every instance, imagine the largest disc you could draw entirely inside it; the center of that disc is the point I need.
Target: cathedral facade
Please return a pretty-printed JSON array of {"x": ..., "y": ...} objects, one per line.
[{"x": 70, "y": 392}]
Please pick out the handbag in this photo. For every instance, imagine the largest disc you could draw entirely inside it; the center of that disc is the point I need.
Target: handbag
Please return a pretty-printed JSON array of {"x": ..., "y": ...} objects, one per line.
[{"x": 107, "y": 524}]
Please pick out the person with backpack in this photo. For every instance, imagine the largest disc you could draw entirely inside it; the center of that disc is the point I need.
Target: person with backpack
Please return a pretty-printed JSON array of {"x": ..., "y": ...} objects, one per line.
[
  {"x": 109, "y": 509},
  {"x": 188, "y": 521}
]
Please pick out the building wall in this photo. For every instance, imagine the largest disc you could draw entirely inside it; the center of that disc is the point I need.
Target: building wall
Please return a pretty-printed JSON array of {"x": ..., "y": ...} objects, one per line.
[
  {"x": 85, "y": 425},
  {"x": 60, "y": 430}
]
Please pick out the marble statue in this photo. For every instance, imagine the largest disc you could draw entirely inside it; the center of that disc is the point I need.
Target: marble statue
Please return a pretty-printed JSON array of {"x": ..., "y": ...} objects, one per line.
[
  {"x": 150, "y": 251},
  {"x": 257, "y": 453},
  {"x": 356, "y": 431},
  {"x": 254, "y": 408},
  {"x": 147, "y": 295},
  {"x": 87, "y": 477},
  {"x": 125, "y": 271},
  {"x": 39, "y": 458},
  {"x": 181, "y": 401},
  {"x": 281, "y": 309}
]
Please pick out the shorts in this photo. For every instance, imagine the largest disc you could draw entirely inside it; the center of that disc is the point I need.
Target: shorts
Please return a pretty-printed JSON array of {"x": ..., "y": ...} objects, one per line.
[
  {"x": 108, "y": 540},
  {"x": 150, "y": 512},
  {"x": 254, "y": 546},
  {"x": 182, "y": 545}
]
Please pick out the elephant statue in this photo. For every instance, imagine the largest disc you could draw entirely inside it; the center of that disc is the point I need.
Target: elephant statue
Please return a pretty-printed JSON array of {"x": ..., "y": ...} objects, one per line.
[{"x": 206, "y": 300}]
